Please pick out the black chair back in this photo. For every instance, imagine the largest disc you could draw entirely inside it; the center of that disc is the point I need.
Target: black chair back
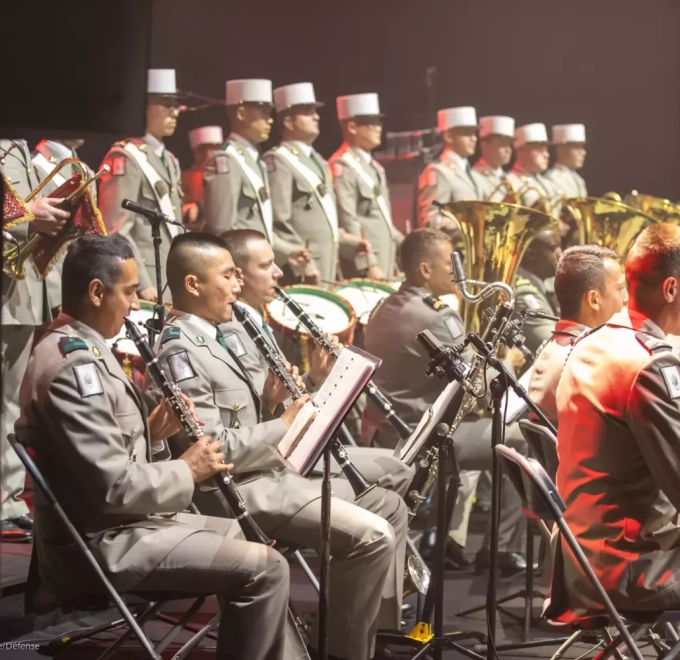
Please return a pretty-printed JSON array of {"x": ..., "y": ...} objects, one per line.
[{"x": 543, "y": 444}]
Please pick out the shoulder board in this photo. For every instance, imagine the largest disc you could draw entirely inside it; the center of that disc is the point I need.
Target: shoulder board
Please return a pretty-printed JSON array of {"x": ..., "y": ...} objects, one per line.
[
  {"x": 652, "y": 344},
  {"x": 434, "y": 302},
  {"x": 523, "y": 281},
  {"x": 170, "y": 332},
  {"x": 69, "y": 344}
]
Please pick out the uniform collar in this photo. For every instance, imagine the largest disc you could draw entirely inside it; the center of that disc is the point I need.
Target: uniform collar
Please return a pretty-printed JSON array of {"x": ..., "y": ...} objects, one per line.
[
  {"x": 253, "y": 313},
  {"x": 306, "y": 149},
  {"x": 456, "y": 159},
  {"x": 481, "y": 164},
  {"x": 245, "y": 144},
  {"x": 58, "y": 150},
  {"x": 155, "y": 144},
  {"x": 561, "y": 166},
  {"x": 66, "y": 324},
  {"x": 567, "y": 327},
  {"x": 364, "y": 155},
  {"x": 196, "y": 322},
  {"x": 629, "y": 318},
  {"x": 519, "y": 169}
]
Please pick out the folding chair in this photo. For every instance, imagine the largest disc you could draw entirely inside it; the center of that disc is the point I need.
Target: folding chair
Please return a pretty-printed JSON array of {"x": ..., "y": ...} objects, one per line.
[
  {"x": 540, "y": 500},
  {"x": 128, "y": 619}
]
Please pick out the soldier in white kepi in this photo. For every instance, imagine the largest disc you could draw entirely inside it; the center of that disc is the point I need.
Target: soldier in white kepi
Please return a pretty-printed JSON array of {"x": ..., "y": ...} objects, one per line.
[
  {"x": 303, "y": 200},
  {"x": 143, "y": 170},
  {"x": 451, "y": 178},
  {"x": 495, "y": 135},
  {"x": 204, "y": 141},
  {"x": 236, "y": 192},
  {"x": 361, "y": 188},
  {"x": 570, "y": 148}
]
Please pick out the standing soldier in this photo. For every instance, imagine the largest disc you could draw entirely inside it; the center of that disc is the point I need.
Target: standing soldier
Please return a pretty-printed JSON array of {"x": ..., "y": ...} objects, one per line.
[
  {"x": 204, "y": 141},
  {"x": 451, "y": 178},
  {"x": 495, "y": 134},
  {"x": 361, "y": 188},
  {"x": 570, "y": 148},
  {"x": 143, "y": 170}
]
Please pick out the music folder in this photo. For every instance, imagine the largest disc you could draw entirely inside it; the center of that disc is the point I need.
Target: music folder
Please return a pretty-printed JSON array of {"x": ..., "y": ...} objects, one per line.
[{"x": 318, "y": 421}]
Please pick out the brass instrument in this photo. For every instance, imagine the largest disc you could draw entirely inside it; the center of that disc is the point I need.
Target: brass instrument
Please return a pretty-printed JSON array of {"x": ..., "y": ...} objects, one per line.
[
  {"x": 608, "y": 222},
  {"x": 14, "y": 256},
  {"x": 662, "y": 209},
  {"x": 511, "y": 196}
]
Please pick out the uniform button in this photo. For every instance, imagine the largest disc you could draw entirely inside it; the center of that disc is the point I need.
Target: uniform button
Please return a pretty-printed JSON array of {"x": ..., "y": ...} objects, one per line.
[
  {"x": 237, "y": 406},
  {"x": 172, "y": 190},
  {"x": 236, "y": 425},
  {"x": 143, "y": 260},
  {"x": 174, "y": 208}
]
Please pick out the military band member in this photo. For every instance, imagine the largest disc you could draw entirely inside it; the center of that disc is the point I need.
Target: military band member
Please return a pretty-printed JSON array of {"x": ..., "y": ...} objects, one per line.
[
  {"x": 143, "y": 170},
  {"x": 303, "y": 200},
  {"x": 204, "y": 141},
  {"x": 618, "y": 406},
  {"x": 528, "y": 175},
  {"x": 451, "y": 178},
  {"x": 535, "y": 287},
  {"x": 367, "y": 541},
  {"x": 391, "y": 336},
  {"x": 259, "y": 275},
  {"x": 94, "y": 439},
  {"x": 361, "y": 188},
  {"x": 590, "y": 288},
  {"x": 570, "y": 150},
  {"x": 26, "y": 309},
  {"x": 495, "y": 139}
]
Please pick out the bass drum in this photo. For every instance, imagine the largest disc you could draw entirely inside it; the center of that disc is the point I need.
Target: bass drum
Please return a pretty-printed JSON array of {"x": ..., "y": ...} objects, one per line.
[
  {"x": 364, "y": 295},
  {"x": 333, "y": 314}
]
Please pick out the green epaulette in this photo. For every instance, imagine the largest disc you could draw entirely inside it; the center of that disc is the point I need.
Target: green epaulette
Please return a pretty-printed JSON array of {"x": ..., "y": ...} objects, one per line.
[
  {"x": 652, "y": 344},
  {"x": 169, "y": 333},
  {"x": 434, "y": 302},
  {"x": 69, "y": 344}
]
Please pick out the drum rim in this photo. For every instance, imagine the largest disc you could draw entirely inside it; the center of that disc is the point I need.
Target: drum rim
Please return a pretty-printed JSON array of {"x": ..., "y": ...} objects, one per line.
[{"x": 360, "y": 282}]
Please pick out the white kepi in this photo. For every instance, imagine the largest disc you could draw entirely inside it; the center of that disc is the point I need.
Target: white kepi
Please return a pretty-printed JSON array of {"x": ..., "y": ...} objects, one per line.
[
  {"x": 205, "y": 135},
  {"x": 530, "y": 133},
  {"x": 289, "y": 96},
  {"x": 255, "y": 90},
  {"x": 161, "y": 81},
  {"x": 564, "y": 133},
  {"x": 463, "y": 117},
  {"x": 358, "y": 105},
  {"x": 496, "y": 125}
]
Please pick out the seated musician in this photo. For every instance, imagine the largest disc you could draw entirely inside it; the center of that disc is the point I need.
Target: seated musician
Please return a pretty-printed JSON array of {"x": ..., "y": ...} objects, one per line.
[
  {"x": 92, "y": 435},
  {"x": 391, "y": 335},
  {"x": 367, "y": 540},
  {"x": 254, "y": 257},
  {"x": 590, "y": 287},
  {"x": 618, "y": 406}
]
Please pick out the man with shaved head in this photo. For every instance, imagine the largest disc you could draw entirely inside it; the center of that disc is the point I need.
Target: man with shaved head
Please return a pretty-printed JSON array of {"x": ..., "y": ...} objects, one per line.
[{"x": 618, "y": 406}]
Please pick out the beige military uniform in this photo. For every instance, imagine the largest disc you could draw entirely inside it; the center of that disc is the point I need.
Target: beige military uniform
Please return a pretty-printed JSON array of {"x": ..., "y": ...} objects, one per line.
[
  {"x": 88, "y": 426},
  {"x": 568, "y": 181},
  {"x": 449, "y": 179},
  {"x": 26, "y": 308},
  {"x": 532, "y": 293},
  {"x": 532, "y": 187},
  {"x": 360, "y": 208},
  {"x": 489, "y": 181},
  {"x": 618, "y": 405},
  {"x": 298, "y": 212},
  {"x": 367, "y": 541},
  {"x": 391, "y": 336},
  {"x": 127, "y": 180},
  {"x": 549, "y": 364},
  {"x": 377, "y": 465}
]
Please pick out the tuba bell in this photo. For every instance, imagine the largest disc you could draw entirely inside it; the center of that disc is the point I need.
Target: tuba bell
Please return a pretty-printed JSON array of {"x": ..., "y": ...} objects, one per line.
[
  {"x": 608, "y": 222},
  {"x": 662, "y": 209}
]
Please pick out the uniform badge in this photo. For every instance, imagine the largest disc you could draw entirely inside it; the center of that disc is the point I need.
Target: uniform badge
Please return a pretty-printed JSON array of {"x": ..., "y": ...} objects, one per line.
[
  {"x": 455, "y": 329},
  {"x": 96, "y": 352},
  {"x": 235, "y": 345},
  {"x": 118, "y": 166},
  {"x": 672, "y": 377},
  {"x": 222, "y": 164},
  {"x": 181, "y": 368},
  {"x": 88, "y": 380},
  {"x": 337, "y": 169}
]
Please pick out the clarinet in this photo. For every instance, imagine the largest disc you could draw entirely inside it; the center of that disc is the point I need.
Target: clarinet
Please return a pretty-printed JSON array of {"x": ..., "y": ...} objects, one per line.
[
  {"x": 171, "y": 393},
  {"x": 380, "y": 400},
  {"x": 275, "y": 361}
]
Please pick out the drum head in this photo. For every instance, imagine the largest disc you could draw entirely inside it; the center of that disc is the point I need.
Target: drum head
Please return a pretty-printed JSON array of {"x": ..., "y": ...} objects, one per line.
[{"x": 364, "y": 295}]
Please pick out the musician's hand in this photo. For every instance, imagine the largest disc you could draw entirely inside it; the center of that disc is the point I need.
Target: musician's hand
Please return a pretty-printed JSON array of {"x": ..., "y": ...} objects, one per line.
[
  {"x": 190, "y": 215},
  {"x": 516, "y": 358},
  {"x": 274, "y": 392},
  {"x": 375, "y": 273},
  {"x": 312, "y": 275},
  {"x": 48, "y": 218},
  {"x": 321, "y": 362},
  {"x": 294, "y": 408},
  {"x": 204, "y": 459},
  {"x": 150, "y": 294},
  {"x": 162, "y": 422}
]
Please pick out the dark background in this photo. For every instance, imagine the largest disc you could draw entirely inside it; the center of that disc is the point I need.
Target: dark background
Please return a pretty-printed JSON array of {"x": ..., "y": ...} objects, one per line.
[{"x": 613, "y": 65}]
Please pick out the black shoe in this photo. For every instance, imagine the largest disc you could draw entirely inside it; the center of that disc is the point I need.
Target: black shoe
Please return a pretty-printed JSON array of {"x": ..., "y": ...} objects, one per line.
[
  {"x": 11, "y": 533},
  {"x": 455, "y": 557},
  {"x": 25, "y": 522},
  {"x": 509, "y": 563}
]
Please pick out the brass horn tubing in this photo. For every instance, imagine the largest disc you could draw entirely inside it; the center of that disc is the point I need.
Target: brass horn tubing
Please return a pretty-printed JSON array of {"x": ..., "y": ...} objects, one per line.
[
  {"x": 509, "y": 188},
  {"x": 59, "y": 166}
]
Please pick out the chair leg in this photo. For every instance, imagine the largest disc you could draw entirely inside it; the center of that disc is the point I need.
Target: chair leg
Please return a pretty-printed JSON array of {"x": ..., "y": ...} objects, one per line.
[
  {"x": 148, "y": 613},
  {"x": 567, "y": 645},
  {"x": 613, "y": 643},
  {"x": 196, "y": 639},
  {"x": 307, "y": 570},
  {"x": 179, "y": 626}
]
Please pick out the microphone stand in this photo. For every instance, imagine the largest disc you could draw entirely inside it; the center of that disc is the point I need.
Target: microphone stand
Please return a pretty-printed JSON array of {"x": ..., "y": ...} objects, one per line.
[{"x": 155, "y": 325}]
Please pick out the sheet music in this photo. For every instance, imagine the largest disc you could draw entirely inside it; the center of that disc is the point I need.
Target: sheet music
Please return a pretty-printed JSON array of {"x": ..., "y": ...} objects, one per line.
[
  {"x": 304, "y": 441},
  {"x": 516, "y": 405}
]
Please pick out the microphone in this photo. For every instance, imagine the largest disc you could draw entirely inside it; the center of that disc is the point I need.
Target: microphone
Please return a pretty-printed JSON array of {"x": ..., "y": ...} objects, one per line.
[
  {"x": 151, "y": 214},
  {"x": 6, "y": 236}
]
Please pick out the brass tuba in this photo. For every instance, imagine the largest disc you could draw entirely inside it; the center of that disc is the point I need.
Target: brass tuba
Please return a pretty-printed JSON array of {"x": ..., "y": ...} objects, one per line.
[
  {"x": 14, "y": 256},
  {"x": 657, "y": 207},
  {"x": 608, "y": 222}
]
